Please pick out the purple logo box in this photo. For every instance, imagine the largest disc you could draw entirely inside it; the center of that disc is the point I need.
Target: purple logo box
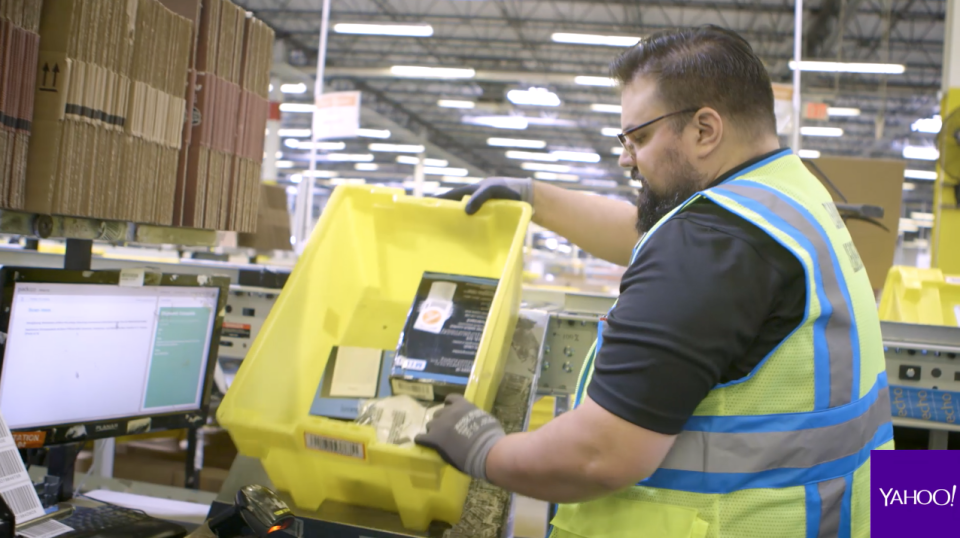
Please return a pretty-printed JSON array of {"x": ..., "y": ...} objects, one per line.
[{"x": 913, "y": 492}]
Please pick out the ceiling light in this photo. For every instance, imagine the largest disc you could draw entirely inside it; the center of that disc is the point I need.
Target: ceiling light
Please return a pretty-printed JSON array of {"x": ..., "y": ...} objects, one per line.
[
  {"x": 849, "y": 67},
  {"x": 922, "y": 153},
  {"x": 464, "y": 180},
  {"x": 635, "y": 184},
  {"x": 366, "y": 167},
  {"x": 576, "y": 156},
  {"x": 436, "y": 163},
  {"x": 516, "y": 143},
  {"x": 437, "y": 171},
  {"x": 319, "y": 173},
  {"x": 821, "y": 131},
  {"x": 555, "y": 122},
  {"x": 373, "y": 133},
  {"x": 296, "y": 178},
  {"x": 540, "y": 167},
  {"x": 284, "y": 164},
  {"x": 346, "y": 157},
  {"x": 927, "y": 125},
  {"x": 552, "y": 176},
  {"x": 809, "y": 154},
  {"x": 424, "y": 185},
  {"x": 533, "y": 97},
  {"x": 291, "y": 190},
  {"x": 431, "y": 72},
  {"x": 293, "y": 88},
  {"x": 907, "y": 186},
  {"x": 920, "y": 174},
  {"x": 405, "y": 159},
  {"x": 293, "y": 143},
  {"x": 610, "y": 131},
  {"x": 278, "y": 155},
  {"x": 453, "y": 103},
  {"x": 591, "y": 39},
  {"x": 295, "y": 133},
  {"x": 296, "y": 107},
  {"x": 397, "y": 148},
  {"x": 595, "y": 81},
  {"x": 347, "y": 181},
  {"x": 919, "y": 215},
  {"x": 531, "y": 156},
  {"x": 401, "y": 30},
  {"x": 618, "y": 150},
  {"x": 840, "y": 111},
  {"x": 610, "y": 109},
  {"x": 498, "y": 122}
]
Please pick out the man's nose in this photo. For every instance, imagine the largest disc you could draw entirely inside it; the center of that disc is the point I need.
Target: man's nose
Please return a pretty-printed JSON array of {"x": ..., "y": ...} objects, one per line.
[{"x": 626, "y": 160}]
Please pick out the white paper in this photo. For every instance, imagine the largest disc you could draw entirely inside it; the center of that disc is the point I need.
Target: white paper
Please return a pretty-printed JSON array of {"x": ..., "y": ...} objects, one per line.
[
  {"x": 153, "y": 506},
  {"x": 337, "y": 115},
  {"x": 47, "y": 529},
  {"x": 132, "y": 278},
  {"x": 15, "y": 485},
  {"x": 355, "y": 373}
]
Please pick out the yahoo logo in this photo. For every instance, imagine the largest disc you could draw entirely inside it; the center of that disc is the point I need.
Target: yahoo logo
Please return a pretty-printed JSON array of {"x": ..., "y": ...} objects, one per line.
[{"x": 893, "y": 496}]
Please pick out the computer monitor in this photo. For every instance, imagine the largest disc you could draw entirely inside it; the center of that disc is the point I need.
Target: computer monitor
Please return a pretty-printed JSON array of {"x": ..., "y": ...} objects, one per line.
[{"x": 87, "y": 358}]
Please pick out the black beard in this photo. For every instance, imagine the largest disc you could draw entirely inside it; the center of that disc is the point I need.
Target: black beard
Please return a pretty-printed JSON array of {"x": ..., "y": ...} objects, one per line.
[{"x": 653, "y": 206}]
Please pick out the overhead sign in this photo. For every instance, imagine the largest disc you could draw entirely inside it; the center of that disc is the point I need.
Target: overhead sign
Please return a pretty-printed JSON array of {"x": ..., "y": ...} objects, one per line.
[
  {"x": 815, "y": 111},
  {"x": 337, "y": 115}
]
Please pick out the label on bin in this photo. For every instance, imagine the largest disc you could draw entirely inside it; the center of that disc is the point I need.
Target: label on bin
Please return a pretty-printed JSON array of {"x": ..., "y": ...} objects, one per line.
[
  {"x": 422, "y": 391},
  {"x": 336, "y": 446}
]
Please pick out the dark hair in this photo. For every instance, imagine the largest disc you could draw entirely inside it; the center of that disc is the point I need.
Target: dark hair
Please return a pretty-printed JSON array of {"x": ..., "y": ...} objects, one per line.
[{"x": 704, "y": 66}]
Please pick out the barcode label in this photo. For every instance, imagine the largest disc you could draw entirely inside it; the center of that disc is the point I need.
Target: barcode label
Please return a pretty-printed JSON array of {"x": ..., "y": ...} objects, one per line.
[
  {"x": 10, "y": 463},
  {"x": 424, "y": 391},
  {"x": 47, "y": 529},
  {"x": 337, "y": 446},
  {"x": 22, "y": 500},
  {"x": 4, "y": 431}
]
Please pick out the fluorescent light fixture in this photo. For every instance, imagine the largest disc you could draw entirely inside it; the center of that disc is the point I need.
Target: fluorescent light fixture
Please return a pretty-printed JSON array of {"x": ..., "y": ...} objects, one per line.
[
  {"x": 464, "y": 180},
  {"x": 366, "y": 167},
  {"x": 346, "y": 157},
  {"x": 610, "y": 131},
  {"x": 291, "y": 190},
  {"x": 609, "y": 109},
  {"x": 373, "y": 133},
  {"x": 294, "y": 133},
  {"x": 400, "y": 30},
  {"x": 617, "y": 150},
  {"x": 595, "y": 81},
  {"x": 435, "y": 163},
  {"x": 405, "y": 159},
  {"x": 417, "y": 71},
  {"x": 927, "y": 125},
  {"x": 553, "y": 176},
  {"x": 821, "y": 131},
  {"x": 296, "y": 107},
  {"x": 425, "y": 186},
  {"x": 635, "y": 184},
  {"x": 592, "y": 39},
  {"x": 347, "y": 181},
  {"x": 319, "y": 173},
  {"x": 454, "y": 103},
  {"x": 849, "y": 67},
  {"x": 437, "y": 171},
  {"x": 917, "y": 215},
  {"x": 576, "y": 156},
  {"x": 920, "y": 174},
  {"x": 293, "y": 143},
  {"x": 908, "y": 225},
  {"x": 552, "y": 122},
  {"x": 907, "y": 186},
  {"x": 296, "y": 178},
  {"x": 293, "y": 88},
  {"x": 284, "y": 164},
  {"x": 516, "y": 143},
  {"x": 921, "y": 153},
  {"x": 278, "y": 155},
  {"x": 533, "y": 97},
  {"x": 531, "y": 156},
  {"x": 498, "y": 122},
  {"x": 540, "y": 167},
  {"x": 843, "y": 112},
  {"x": 809, "y": 154},
  {"x": 397, "y": 148}
]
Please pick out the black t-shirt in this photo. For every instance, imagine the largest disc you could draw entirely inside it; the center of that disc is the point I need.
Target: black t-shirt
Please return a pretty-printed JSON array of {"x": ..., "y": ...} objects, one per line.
[{"x": 708, "y": 297}]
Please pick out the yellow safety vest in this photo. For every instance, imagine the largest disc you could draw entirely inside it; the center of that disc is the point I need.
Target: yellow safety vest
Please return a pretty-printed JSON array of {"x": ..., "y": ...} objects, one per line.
[{"x": 783, "y": 452}]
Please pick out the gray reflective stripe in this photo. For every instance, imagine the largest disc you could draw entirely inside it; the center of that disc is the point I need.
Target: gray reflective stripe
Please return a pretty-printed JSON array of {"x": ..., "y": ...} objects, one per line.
[
  {"x": 831, "y": 499},
  {"x": 711, "y": 452},
  {"x": 837, "y": 332}
]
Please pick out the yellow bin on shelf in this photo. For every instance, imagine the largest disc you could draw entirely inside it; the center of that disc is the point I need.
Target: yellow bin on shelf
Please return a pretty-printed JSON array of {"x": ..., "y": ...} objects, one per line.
[
  {"x": 923, "y": 296},
  {"x": 353, "y": 286}
]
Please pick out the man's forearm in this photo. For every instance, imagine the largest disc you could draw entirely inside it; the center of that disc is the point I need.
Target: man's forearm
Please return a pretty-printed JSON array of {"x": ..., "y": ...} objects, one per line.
[{"x": 603, "y": 227}]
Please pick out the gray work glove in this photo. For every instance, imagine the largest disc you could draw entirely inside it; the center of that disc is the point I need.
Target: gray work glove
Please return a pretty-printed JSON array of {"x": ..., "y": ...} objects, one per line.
[
  {"x": 492, "y": 188},
  {"x": 463, "y": 434}
]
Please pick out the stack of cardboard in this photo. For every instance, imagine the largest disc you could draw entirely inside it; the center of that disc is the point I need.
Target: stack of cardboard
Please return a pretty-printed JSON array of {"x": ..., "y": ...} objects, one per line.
[
  {"x": 218, "y": 177},
  {"x": 107, "y": 127},
  {"x": 19, "y": 45},
  {"x": 273, "y": 221}
]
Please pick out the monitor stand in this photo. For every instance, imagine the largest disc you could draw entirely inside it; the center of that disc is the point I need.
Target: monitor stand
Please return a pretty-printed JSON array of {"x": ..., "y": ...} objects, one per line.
[{"x": 57, "y": 486}]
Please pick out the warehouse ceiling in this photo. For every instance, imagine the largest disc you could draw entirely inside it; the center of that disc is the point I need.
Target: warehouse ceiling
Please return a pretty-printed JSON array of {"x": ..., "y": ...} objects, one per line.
[{"x": 510, "y": 45}]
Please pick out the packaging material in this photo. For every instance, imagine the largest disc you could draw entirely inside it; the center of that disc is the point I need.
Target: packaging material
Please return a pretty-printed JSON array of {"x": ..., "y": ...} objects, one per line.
[
  {"x": 397, "y": 419},
  {"x": 273, "y": 220},
  {"x": 19, "y": 50},
  {"x": 345, "y": 403},
  {"x": 440, "y": 339}
]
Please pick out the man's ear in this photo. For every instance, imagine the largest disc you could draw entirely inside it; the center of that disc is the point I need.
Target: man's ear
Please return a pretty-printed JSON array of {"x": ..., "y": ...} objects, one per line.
[{"x": 709, "y": 127}]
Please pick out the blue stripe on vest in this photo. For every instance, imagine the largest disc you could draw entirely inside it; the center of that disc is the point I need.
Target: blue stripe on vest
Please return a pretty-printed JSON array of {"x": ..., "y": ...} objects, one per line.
[
  {"x": 786, "y": 152},
  {"x": 854, "y": 335},
  {"x": 720, "y": 483},
  {"x": 789, "y": 421},
  {"x": 813, "y": 510},
  {"x": 821, "y": 355}
]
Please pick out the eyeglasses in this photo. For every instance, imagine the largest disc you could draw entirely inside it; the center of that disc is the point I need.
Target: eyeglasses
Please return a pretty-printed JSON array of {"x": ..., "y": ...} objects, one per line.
[{"x": 623, "y": 136}]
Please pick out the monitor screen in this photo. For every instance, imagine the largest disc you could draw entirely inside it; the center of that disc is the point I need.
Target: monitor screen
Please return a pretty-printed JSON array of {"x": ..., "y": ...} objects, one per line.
[{"x": 79, "y": 353}]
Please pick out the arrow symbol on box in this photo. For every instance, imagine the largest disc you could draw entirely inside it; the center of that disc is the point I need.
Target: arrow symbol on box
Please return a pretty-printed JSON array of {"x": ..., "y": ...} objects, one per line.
[
  {"x": 46, "y": 69},
  {"x": 56, "y": 69}
]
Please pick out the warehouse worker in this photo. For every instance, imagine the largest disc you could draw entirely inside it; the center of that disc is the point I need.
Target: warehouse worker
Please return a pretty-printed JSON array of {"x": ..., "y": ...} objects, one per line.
[{"x": 737, "y": 387}]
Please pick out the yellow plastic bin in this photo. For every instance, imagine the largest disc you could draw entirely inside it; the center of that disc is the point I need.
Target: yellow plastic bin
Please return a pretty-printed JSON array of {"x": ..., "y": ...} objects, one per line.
[
  {"x": 923, "y": 296},
  {"x": 353, "y": 286}
]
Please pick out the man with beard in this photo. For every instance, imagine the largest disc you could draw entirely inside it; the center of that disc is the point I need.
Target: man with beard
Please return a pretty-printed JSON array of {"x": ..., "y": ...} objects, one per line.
[{"x": 737, "y": 386}]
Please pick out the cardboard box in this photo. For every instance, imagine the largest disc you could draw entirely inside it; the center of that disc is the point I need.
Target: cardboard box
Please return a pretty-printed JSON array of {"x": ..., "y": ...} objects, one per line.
[{"x": 272, "y": 225}]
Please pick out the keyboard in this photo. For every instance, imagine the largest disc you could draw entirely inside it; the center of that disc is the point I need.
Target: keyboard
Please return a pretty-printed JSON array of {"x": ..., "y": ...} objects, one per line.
[{"x": 111, "y": 521}]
